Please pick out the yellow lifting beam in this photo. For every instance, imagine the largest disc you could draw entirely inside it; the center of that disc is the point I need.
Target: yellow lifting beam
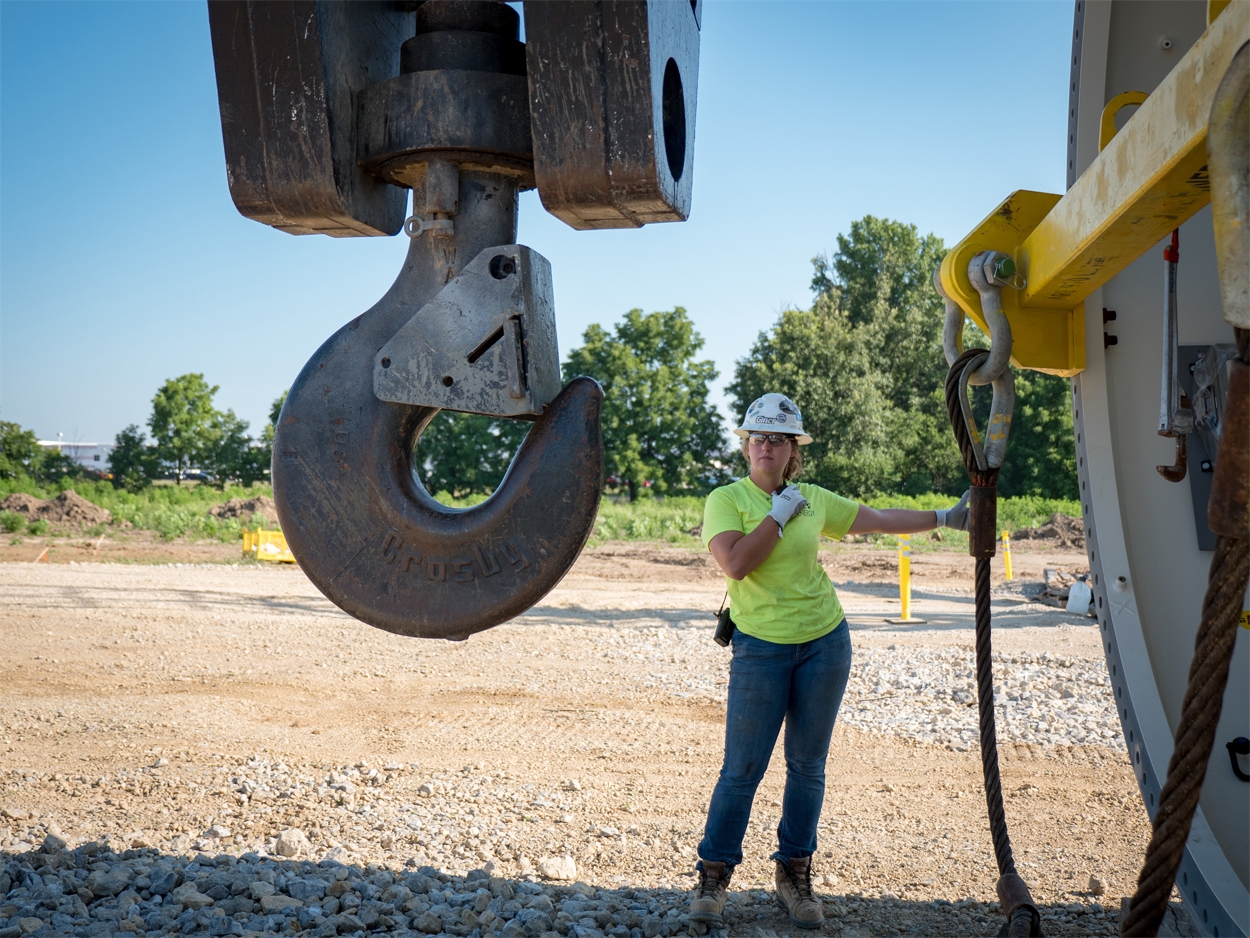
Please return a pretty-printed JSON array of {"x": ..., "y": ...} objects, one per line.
[{"x": 1151, "y": 177}]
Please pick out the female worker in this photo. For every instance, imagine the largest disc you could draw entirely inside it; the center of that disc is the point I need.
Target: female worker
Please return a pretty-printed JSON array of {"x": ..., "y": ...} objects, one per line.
[{"x": 791, "y": 648}]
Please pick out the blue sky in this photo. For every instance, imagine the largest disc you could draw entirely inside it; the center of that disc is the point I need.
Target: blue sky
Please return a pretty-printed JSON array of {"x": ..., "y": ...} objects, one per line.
[{"x": 123, "y": 261}]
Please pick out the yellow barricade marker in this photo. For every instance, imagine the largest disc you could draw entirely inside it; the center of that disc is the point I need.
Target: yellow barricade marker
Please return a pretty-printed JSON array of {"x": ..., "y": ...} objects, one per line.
[
  {"x": 266, "y": 545},
  {"x": 904, "y": 583},
  {"x": 1007, "y": 554}
]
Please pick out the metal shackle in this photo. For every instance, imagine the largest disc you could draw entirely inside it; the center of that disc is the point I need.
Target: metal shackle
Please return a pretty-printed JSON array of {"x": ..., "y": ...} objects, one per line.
[
  {"x": 989, "y": 272},
  {"x": 952, "y": 325},
  {"x": 993, "y": 270}
]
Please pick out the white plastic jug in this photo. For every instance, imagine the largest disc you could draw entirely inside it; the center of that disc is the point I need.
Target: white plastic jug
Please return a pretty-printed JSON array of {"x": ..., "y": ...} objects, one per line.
[{"x": 1079, "y": 598}]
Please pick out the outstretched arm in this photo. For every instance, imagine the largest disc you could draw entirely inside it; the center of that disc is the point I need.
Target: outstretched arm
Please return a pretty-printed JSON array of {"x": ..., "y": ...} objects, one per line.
[
  {"x": 892, "y": 521},
  {"x": 905, "y": 521}
]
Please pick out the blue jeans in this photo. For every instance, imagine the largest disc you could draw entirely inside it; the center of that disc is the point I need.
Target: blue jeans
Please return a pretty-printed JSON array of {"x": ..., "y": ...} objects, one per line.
[{"x": 769, "y": 683}]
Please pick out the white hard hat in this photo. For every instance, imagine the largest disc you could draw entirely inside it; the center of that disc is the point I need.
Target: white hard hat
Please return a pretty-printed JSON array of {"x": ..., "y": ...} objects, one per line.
[{"x": 774, "y": 413}]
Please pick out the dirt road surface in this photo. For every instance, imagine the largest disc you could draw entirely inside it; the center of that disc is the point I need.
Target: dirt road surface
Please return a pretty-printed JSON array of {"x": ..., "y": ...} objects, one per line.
[{"x": 160, "y": 706}]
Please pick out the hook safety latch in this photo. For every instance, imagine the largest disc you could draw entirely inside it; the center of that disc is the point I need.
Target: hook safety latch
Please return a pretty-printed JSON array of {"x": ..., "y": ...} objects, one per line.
[{"x": 486, "y": 343}]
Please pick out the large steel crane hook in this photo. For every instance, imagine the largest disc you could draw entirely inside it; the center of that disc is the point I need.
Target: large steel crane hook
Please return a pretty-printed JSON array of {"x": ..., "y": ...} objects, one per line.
[
  {"x": 330, "y": 110},
  {"x": 364, "y": 530}
]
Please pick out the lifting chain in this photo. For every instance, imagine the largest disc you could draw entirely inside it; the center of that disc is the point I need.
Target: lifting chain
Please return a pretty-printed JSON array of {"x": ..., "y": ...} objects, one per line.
[{"x": 989, "y": 272}]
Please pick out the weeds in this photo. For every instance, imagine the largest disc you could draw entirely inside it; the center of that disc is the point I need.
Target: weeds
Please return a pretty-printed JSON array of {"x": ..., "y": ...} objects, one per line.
[{"x": 172, "y": 511}]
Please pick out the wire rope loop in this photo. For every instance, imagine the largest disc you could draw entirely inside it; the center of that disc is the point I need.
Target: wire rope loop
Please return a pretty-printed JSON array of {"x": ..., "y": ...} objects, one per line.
[
  {"x": 965, "y": 406},
  {"x": 990, "y": 451}
]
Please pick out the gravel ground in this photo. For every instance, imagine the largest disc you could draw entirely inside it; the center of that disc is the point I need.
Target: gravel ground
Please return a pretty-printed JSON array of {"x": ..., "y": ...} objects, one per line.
[{"x": 218, "y": 750}]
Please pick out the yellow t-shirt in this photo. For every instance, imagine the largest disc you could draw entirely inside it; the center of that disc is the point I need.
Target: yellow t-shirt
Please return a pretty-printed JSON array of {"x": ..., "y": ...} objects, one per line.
[{"x": 788, "y": 599}]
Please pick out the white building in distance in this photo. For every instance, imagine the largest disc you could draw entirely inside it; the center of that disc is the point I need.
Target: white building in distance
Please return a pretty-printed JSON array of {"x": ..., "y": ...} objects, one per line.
[{"x": 92, "y": 456}]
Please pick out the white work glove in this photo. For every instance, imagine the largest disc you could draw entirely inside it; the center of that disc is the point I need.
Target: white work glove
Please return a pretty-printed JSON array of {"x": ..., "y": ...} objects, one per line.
[
  {"x": 786, "y": 504},
  {"x": 955, "y": 518}
]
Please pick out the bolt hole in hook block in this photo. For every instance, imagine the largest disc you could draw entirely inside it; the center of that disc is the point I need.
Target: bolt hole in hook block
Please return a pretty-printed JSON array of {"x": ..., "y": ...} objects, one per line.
[{"x": 674, "y": 120}]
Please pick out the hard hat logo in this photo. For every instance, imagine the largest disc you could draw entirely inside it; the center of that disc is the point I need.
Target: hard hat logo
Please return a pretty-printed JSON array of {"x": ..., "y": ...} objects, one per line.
[{"x": 774, "y": 411}]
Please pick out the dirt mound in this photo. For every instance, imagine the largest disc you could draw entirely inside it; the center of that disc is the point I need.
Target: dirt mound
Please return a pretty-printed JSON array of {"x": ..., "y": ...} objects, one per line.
[
  {"x": 1067, "y": 532},
  {"x": 70, "y": 509},
  {"x": 22, "y": 504},
  {"x": 245, "y": 508},
  {"x": 67, "y": 510}
]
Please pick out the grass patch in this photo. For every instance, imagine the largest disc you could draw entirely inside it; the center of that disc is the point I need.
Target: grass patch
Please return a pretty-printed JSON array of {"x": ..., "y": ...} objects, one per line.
[
  {"x": 669, "y": 521},
  {"x": 1014, "y": 514},
  {"x": 170, "y": 510}
]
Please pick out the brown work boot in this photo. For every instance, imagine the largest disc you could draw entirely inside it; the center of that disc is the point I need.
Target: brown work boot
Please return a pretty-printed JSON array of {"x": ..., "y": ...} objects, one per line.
[
  {"x": 709, "y": 898},
  {"x": 794, "y": 891}
]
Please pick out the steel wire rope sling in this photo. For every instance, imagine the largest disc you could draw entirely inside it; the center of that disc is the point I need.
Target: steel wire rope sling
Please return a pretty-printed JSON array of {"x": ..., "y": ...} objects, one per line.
[
  {"x": 989, "y": 272},
  {"x": 1228, "y": 150}
]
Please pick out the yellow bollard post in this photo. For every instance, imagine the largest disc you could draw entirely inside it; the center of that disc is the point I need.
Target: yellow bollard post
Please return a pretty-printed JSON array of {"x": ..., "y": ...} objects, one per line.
[
  {"x": 1007, "y": 554},
  {"x": 904, "y": 577},
  {"x": 904, "y": 583}
]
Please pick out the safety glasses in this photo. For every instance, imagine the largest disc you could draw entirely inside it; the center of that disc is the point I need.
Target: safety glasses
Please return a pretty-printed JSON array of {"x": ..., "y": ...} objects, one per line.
[{"x": 759, "y": 439}]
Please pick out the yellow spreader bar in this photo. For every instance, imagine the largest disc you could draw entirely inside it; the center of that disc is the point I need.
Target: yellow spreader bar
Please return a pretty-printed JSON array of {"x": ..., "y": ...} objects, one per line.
[{"x": 1151, "y": 177}]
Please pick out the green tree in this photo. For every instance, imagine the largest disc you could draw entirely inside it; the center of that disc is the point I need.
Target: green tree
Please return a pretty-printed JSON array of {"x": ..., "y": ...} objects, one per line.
[
  {"x": 21, "y": 456},
  {"x": 275, "y": 411},
  {"x": 233, "y": 455},
  {"x": 659, "y": 430},
  {"x": 133, "y": 462},
  {"x": 184, "y": 423},
  {"x": 865, "y": 365},
  {"x": 467, "y": 454},
  {"x": 20, "y": 452}
]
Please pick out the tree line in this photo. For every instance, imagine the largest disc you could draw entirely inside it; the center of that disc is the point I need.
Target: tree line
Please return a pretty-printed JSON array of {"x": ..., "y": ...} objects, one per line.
[
  {"x": 188, "y": 434},
  {"x": 864, "y": 363}
]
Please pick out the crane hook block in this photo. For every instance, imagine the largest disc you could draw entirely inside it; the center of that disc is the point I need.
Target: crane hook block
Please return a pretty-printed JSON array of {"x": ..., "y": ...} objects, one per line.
[{"x": 360, "y": 523}]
